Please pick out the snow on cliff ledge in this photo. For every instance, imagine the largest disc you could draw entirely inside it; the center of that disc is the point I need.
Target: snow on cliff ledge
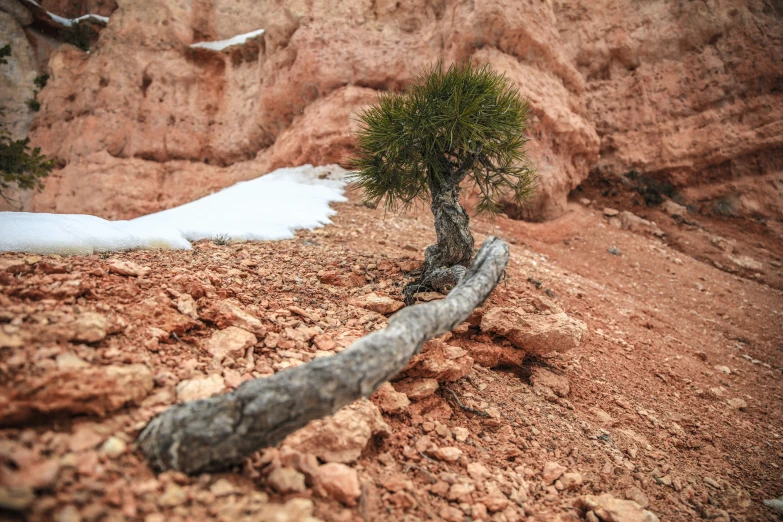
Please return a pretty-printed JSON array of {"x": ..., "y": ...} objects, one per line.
[
  {"x": 220, "y": 45},
  {"x": 266, "y": 208},
  {"x": 69, "y": 22}
]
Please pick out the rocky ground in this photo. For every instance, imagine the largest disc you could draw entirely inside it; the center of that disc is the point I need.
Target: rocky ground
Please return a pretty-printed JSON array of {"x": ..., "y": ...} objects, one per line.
[{"x": 664, "y": 392}]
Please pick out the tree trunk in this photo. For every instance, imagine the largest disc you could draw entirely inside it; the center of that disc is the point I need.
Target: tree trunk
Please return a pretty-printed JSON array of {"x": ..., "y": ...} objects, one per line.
[
  {"x": 452, "y": 227},
  {"x": 221, "y": 431},
  {"x": 445, "y": 262}
]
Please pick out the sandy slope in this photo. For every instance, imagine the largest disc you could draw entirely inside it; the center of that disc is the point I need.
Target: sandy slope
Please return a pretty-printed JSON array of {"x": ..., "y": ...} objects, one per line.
[{"x": 651, "y": 414}]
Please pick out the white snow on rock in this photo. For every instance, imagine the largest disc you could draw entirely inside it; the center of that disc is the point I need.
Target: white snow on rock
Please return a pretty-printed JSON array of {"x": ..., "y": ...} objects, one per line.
[
  {"x": 79, "y": 234},
  {"x": 219, "y": 45},
  {"x": 267, "y": 208},
  {"x": 68, "y": 22}
]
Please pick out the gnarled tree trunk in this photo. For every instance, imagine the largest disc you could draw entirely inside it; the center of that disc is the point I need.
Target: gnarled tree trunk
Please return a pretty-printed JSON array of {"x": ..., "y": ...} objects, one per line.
[
  {"x": 455, "y": 242},
  {"x": 218, "y": 432},
  {"x": 445, "y": 262}
]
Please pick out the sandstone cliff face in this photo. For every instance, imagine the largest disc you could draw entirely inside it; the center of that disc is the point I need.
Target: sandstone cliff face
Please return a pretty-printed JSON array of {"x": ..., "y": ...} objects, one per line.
[
  {"x": 690, "y": 91},
  {"x": 17, "y": 76},
  {"x": 287, "y": 97},
  {"x": 674, "y": 88}
]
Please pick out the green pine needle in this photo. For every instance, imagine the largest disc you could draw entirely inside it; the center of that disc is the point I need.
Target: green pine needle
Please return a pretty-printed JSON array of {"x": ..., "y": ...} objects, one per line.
[{"x": 465, "y": 121}]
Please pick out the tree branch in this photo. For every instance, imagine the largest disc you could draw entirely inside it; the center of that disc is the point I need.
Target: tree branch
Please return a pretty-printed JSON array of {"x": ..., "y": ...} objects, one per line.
[{"x": 218, "y": 432}]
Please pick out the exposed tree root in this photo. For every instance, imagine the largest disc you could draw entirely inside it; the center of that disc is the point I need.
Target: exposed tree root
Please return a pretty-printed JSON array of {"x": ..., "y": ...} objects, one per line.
[{"x": 218, "y": 432}]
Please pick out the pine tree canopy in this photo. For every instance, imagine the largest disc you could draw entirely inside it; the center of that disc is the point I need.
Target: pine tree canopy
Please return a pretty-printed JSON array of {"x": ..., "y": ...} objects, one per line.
[
  {"x": 21, "y": 167},
  {"x": 465, "y": 121}
]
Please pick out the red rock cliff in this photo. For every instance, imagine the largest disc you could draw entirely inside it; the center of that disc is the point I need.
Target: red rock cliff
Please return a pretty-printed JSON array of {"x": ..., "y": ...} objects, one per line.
[{"x": 687, "y": 90}]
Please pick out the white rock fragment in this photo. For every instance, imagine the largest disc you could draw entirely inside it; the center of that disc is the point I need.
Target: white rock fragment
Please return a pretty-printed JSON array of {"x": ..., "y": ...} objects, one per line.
[{"x": 200, "y": 388}]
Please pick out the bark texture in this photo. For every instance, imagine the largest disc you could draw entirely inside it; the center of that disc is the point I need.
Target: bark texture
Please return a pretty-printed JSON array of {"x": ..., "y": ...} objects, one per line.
[
  {"x": 218, "y": 432},
  {"x": 452, "y": 227},
  {"x": 445, "y": 263}
]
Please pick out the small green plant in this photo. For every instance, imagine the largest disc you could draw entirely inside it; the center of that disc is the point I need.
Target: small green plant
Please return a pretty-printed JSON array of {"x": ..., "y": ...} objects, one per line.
[
  {"x": 448, "y": 125},
  {"x": 20, "y": 167},
  {"x": 221, "y": 239},
  {"x": 41, "y": 80}
]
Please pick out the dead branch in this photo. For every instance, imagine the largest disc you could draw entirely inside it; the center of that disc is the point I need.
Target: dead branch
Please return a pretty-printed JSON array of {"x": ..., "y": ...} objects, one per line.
[
  {"x": 411, "y": 466},
  {"x": 221, "y": 431},
  {"x": 466, "y": 408}
]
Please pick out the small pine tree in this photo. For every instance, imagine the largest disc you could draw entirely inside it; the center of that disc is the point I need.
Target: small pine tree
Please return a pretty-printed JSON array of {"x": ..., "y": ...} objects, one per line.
[
  {"x": 422, "y": 143},
  {"x": 20, "y": 167}
]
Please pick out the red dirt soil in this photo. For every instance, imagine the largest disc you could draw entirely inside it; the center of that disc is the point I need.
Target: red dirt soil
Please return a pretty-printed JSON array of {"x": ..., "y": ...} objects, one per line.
[{"x": 652, "y": 413}]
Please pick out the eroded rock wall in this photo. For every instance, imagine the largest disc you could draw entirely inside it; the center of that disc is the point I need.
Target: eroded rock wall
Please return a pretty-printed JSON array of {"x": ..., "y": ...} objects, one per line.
[
  {"x": 17, "y": 76},
  {"x": 667, "y": 87},
  {"x": 688, "y": 92},
  {"x": 288, "y": 97}
]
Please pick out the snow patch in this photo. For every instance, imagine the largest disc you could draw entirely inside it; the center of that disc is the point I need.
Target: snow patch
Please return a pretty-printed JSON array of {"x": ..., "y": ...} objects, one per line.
[
  {"x": 219, "y": 45},
  {"x": 267, "y": 208},
  {"x": 79, "y": 234},
  {"x": 68, "y": 22}
]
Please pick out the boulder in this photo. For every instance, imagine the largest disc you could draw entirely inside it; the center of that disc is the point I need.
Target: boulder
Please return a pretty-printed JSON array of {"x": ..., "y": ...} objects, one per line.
[
  {"x": 343, "y": 436},
  {"x": 295, "y": 510},
  {"x": 186, "y": 305},
  {"x": 27, "y": 468},
  {"x": 439, "y": 361},
  {"x": 338, "y": 278},
  {"x": 91, "y": 391},
  {"x": 232, "y": 342},
  {"x": 571, "y": 481},
  {"x": 535, "y": 333}
]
